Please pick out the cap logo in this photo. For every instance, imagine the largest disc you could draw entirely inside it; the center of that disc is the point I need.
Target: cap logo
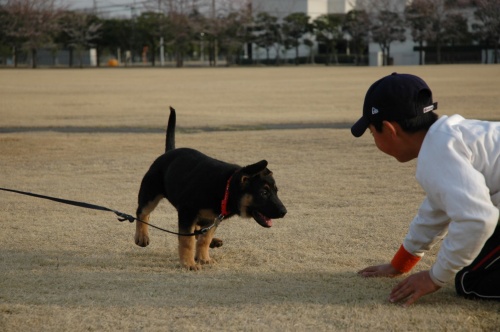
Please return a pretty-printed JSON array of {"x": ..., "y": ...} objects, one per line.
[
  {"x": 374, "y": 111},
  {"x": 428, "y": 108}
]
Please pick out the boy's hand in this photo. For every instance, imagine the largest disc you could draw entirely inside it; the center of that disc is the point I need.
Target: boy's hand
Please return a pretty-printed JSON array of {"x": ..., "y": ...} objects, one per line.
[
  {"x": 384, "y": 270},
  {"x": 413, "y": 288}
]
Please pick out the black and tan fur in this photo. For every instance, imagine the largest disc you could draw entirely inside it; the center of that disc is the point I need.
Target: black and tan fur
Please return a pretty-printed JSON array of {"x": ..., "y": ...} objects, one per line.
[{"x": 195, "y": 185}]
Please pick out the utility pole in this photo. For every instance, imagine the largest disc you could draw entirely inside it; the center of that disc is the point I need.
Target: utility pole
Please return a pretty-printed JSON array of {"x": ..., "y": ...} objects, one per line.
[
  {"x": 132, "y": 37},
  {"x": 215, "y": 33},
  {"x": 160, "y": 16}
]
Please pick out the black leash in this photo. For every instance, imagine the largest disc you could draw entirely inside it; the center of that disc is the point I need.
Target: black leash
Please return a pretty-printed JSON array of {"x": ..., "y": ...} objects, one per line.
[{"x": 121, "y": 216}]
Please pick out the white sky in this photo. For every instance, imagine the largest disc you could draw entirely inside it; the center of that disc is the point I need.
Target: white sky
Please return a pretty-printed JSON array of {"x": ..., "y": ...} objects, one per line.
[
  {"x": 107, "y": 7},
  {"x": 121, "y": 8}
]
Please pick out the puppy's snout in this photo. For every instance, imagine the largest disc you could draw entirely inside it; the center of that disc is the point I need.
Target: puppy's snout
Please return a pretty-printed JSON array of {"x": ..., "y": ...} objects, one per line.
[{"x": 282, "y": 212}]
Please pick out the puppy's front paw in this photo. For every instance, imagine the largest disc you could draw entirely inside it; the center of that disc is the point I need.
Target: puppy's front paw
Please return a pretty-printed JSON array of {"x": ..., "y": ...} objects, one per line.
[
  {"x": 206, "y": 261},
  {"x": 216, "y": 243},
  {"x": 141, "y": 239},
  {"x": 191, "y": 266}
]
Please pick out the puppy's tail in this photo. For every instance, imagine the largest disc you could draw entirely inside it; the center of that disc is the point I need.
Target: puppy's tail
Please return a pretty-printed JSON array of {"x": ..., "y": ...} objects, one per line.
[{"x": 170, "y": 137}]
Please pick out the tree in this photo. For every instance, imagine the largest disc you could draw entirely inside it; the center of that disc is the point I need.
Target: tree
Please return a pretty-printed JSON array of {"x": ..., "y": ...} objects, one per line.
[
  {"x": 418, "y": 17},
  {"x": 148, "y": 27},
  {"x": 115, "y": 35},
  {"x": 33, "y": 23},
  {"x": 266, "y": 31},
  {"x": 309, "y": 42},
  {"x": 456, "y": 30},
  {"x": 355, "y": 24},
  {"x": 182, "y": 35},
  {"x": 180, "y": 29},
  {"x": 80, "y": 31},
  {"x": 294, "y": 27},
  {"x": 200, "y": 25},
  {"x": 280, "y": 41},
  {"x": 385, "y": 23},
  {"x": 435, "y": 36},
  {"x": 235, "y": 34},
  {"x": 328, "y": 30},
  {"x": 7, "y": 43},
  {"x": 437, "y": 23},
  {"x": 488, "y": 27},
  {"x": 388, "y": 26}
]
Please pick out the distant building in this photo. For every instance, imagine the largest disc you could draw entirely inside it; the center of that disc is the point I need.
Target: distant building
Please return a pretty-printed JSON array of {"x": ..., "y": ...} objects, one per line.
[
  {"x": 282, "y": 8},
  {"x": 313, "y": 8},
  {"x": 401, "y": 53}
]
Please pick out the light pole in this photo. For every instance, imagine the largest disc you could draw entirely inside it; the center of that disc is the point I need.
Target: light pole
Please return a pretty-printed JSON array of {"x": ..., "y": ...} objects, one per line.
[
  {"x": 347, "y": 38},
  {"x": 202, "y": 56},
  {"x": 162, "y": 54}
]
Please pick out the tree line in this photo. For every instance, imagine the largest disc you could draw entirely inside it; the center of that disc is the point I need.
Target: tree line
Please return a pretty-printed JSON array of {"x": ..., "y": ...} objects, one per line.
[{"x": 182, "y": 28}]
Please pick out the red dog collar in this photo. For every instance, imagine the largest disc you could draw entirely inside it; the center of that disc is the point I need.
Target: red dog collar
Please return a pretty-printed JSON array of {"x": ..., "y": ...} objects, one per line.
[{"x": 223, "y": 205}]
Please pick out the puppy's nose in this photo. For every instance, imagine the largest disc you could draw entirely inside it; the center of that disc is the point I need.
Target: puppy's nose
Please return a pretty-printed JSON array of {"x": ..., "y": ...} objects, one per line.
[{"x": 283, "y": 212}]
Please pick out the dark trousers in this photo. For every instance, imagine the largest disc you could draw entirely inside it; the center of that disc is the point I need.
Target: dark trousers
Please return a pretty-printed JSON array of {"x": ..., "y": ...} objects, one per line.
[{"x": 481, "y": 279}]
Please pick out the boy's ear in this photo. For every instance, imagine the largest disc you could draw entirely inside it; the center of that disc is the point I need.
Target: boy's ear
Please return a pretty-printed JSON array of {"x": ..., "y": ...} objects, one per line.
[{"x": 392, "y": 128}]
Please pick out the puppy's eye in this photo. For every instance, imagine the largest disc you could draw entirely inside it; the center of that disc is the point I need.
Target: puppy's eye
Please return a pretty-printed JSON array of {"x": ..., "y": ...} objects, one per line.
[{"x": 264, "y": 193}]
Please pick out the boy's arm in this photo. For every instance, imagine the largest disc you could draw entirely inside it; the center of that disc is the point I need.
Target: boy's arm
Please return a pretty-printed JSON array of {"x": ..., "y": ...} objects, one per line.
[
  {"x": 402, "y": 262},
  {"x": 449, "y": 174},
  {"x": 384, "y": 270}
]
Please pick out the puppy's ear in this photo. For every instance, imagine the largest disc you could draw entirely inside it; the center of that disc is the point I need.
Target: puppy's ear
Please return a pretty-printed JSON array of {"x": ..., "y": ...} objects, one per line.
[
  {"x": 254, "y": 169},
  {"x": 245, "y": 178}
]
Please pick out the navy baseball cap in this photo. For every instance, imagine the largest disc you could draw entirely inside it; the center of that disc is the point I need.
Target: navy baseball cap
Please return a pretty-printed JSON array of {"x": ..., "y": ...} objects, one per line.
[{"x": 393, "y": 98}]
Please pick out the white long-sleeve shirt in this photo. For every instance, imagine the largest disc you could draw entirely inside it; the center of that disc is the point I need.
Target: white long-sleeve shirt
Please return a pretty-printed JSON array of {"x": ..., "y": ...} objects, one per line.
[{"x": 459, "y": 169}]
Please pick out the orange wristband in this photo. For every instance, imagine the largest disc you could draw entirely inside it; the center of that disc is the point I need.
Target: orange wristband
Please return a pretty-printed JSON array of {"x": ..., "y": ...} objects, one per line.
[{"x": 403, "y": 261}]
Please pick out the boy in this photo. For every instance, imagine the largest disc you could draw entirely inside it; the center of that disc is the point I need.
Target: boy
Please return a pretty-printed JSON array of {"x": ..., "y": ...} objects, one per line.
[{"x": 458, "y": 167}]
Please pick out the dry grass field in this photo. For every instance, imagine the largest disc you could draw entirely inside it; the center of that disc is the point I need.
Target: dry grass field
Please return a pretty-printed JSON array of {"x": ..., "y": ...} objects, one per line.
[{"x": 90, "y": 135}]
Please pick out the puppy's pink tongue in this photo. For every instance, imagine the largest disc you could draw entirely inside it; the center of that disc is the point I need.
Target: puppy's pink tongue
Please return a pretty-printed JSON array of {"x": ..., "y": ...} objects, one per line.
[{"x": 262, "y": 219}]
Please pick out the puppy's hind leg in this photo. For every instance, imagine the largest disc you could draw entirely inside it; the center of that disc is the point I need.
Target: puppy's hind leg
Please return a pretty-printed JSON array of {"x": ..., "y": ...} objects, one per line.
[
  {"x": 216, "y": 243},
  {"x": 143, "y": 211}
]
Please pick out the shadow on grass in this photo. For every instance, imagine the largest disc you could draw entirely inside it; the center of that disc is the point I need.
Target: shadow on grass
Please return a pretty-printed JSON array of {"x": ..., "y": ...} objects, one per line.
[{"x": 154, "y": 278}]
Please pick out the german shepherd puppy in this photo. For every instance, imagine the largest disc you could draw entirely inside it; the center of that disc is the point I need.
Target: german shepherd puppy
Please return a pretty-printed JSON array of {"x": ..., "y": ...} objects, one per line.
[{"x": 204, "y": 191}]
